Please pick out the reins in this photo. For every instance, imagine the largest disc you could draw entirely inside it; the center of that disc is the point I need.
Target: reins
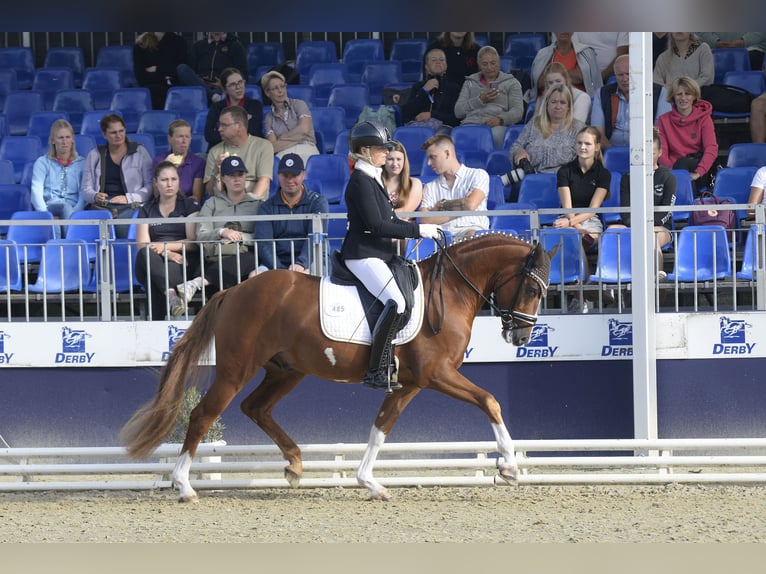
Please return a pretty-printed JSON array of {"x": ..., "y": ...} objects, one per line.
[{"x": 507, "y": 316}]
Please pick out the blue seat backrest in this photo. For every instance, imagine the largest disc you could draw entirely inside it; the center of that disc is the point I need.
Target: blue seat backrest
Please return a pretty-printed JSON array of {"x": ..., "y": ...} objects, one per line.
[
  {"x": 540, "y": 189},
  {"x": 311, "y": 52},
  {"x": 330, "y": 121},
  {"x": 702, "y": 254},
  {"x": 71, "y": 57},
  {"x": 746, "y": 154},
  {"x": 22, "y": 60},
  {"x": 567, "y": 266},
  {"x": 614, "y": 257}
]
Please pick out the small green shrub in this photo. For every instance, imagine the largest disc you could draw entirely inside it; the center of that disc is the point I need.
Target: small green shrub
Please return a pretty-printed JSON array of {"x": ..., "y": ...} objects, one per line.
[{"x": 191, "y": 399}]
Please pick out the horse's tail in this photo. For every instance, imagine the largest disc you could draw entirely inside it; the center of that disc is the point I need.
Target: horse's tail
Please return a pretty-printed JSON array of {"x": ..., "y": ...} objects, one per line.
[{"x": 151, "y": 423}]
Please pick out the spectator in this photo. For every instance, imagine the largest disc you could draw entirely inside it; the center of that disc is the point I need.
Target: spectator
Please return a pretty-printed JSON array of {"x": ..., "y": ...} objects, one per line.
[
  {"x": 156, "y": 57},
  {"x": 234, "y": 95},
  {"x": 659, "y": 45},
  {"x": 490, "y": 97},
  {"x": 458, "y": 188},
  {"x": 405, "y": 192},
  {"x": 686, "y": 56},
  {"x": 461, "y": 50},
  {"x": 556, "y": 73},
  {"x": 753, "y": 42},
  {"x": 257, "y": 153},
  {"x": 432, "y": 101},
  {"x": 117, "y": 176},
  {"x": 687, "y": 133},
  {"x": 284, "y": 244},
  {"x": 228, "y": 249},
  {"x": 166, "y": 251},
  {"x": 758, "y": 117},
  {"x": 756, "y": 188},
  {"x": 367, "y": 249},
  {"x": 578, "y": 59},
  {"x": 607, "y": 45},
  {"x": 191, "y": 167},
  {"x": 664, "y": 193},
  {"x": 584, "y": 184},
  {"x": 57, "y": 175},
  {"x": 547, "y": 141},
  {"x": 209, "y": 58},
  {"x": 288, "y": 126},
  {"x": 611, "y": 107}
]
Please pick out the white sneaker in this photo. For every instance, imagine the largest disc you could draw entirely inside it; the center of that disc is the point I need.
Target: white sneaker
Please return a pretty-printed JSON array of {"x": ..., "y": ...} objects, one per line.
[
  {"x": 187, "y": 291},
  {"x": 662, "y": 276},
  {"x": 176, "y": 305}
]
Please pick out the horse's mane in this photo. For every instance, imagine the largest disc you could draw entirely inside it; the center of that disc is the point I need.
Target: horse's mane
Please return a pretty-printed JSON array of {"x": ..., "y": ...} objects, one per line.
[{"x": 484, "y": 240}]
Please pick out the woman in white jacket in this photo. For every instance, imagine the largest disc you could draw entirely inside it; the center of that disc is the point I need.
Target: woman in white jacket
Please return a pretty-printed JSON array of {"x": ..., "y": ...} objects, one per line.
[{"x": 490, "y": 97}]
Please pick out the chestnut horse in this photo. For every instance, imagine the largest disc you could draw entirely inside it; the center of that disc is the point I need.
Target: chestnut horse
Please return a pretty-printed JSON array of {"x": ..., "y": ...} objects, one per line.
[{"x": 272, "y": 321}]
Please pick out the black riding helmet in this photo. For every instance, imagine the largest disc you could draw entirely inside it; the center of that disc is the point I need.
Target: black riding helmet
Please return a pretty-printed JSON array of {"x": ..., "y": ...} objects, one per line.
[{"x": 369, "y": 133}]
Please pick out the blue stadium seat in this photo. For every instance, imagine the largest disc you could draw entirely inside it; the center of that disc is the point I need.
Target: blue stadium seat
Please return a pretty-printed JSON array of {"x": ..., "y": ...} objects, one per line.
[
  {"x": 90, "y": 234},
  {"x": 352, "y": 98},
  {"x": 155, "y": 123},
  {"x": 341, "y": 144},
  {"x": 506, "y": 64},
  {"x": 10, "y": 270},
  {"x": 48, "y": 81},
  {"x": 26, "y": 174},
  {"x": 8, "y": 84},
  {"x": 614, "y": 257},
  {"x": 254, "y": 92},
  {"x": 19, "y": 106},
  {"x": 123, "y": 272},
  {"x": 568, "y": 265},
  {"x": 473, "y": 143},
  {"x": 120, "y": 57},
  {"x": 617, "y": 158},
  {"x": 263, "y": 54},
  {"x": 312, "y": 52},
  {"x": 496, "y": 194},
  {"x": 22, "y": 60},
  {"x": 746, "y": 154},
  {"x": 13, "y": 198},
  {"x": 198, "y": 125},
  {"x": 702, "y": 254},
  {"x": 498, "y": 163},
  {"x": 322, "y": 77},
  {"x": 186, "y": 101},
  {"x": 102, "y": 83},
  {"x": 410, "y": 52},
  {"x": 75, "y": 103},
  {"x": 301, "y": 92},
  {"x": 147, "y": 140},
  {"x": 520, "y": 223},
  {"x": 376, "y": 75},
  {"x": 613, "y": 200},
  {"x": 71, "y": 57},
  {"x": 684, "y": 193},
  {"x": 20, "y": 150},
  {"x": 412, "y": 137},
  {"x": 132, "y": 102},
  {"x": 511, "y": 134},
  {"x": 40, "y": 124},
  {"x": 333, "y": 171},
  {"x": 540, "y": 189},
  {"x": 728, "y": 60},
  {"x": 64, "y": 267},
  {"x": 84, "y": 143},
  {"x": 328, "y": 121},
  {"x": 523, "y": 48},
  {"x": 336, "y": 232},
  {"x": 3, "y": 126},
  {"x": 750, "y": 254},
  {"x": 30, "y": 238},
  {"x": 359, "y": 52},
  {"x": 7, "y": 175},
  {"x": 754, "y": 81},
  {"x": 734, "y": 182}
]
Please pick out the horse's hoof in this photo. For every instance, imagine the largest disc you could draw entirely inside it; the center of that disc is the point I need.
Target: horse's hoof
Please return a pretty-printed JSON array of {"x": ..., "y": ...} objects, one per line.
[
  {"x": 293, "y": 479},
  {"x": 193, "y": 498},
  {"x": 381, "y": 495},
  {"x": 509, "y": 474}
]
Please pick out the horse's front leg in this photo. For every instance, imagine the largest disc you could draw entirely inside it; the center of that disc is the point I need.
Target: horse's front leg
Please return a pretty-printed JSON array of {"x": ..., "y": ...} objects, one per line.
[
  {"x": 508, "y": 466},
  {"x": 392, "y": 407}
]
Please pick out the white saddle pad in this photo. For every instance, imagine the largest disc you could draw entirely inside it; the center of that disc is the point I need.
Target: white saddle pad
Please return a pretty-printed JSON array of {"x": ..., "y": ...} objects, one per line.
[{"x": 342, "y": 317}]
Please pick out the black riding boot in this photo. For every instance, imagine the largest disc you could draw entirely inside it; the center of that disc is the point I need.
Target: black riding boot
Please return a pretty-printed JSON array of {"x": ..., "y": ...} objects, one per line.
[{"x": 383, "y": 333}]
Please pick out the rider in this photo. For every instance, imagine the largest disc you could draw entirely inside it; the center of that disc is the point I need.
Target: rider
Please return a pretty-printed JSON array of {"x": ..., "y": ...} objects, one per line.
[{"x": 367, "y": 248}]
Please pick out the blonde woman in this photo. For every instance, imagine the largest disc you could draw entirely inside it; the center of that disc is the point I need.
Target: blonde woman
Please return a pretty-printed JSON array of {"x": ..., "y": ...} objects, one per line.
[
  {"x": 405, "y": 192},
  {"x": 555, "y": 73},
  {"x": 288, "y": 126},
  {"x": 57, "y": 175}
]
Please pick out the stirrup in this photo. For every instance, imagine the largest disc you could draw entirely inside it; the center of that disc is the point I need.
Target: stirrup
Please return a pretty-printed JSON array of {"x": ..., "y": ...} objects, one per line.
[{"x": 378, "y": 380}]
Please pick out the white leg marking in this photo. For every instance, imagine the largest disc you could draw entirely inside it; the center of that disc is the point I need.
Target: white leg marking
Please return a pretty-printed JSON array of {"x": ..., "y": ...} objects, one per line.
[
  {"x": 509, "y": 467},
  {"x": 330, "y": 355},
  {"x": 181, "y": 479},
  {"x": 364, "y": 472}
]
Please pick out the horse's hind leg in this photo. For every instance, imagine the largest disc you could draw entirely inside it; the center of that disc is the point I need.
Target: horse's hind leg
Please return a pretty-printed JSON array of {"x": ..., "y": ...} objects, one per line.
[{"x": 259, "y": 405}]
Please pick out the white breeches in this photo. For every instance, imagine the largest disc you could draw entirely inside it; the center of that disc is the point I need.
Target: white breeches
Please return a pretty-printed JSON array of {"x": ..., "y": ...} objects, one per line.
[{"x": 376, "y": 276}]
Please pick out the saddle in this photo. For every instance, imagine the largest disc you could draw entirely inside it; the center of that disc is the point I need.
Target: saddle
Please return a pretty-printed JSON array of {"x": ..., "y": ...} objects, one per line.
[{"x": 350, "y": 318}]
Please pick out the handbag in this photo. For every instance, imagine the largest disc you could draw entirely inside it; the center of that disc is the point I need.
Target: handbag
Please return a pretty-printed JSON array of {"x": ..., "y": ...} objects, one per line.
[
  {"x": 725, "y": 217},
  {"x": 212, "y": 249}
]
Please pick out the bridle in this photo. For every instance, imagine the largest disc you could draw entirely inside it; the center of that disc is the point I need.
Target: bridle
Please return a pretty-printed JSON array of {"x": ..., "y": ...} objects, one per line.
[{"x": 510, "y": 318}]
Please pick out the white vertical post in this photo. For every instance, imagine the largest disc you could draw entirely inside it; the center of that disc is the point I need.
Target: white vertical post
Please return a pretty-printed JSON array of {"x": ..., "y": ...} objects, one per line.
[{"x": 642, "y": 237}]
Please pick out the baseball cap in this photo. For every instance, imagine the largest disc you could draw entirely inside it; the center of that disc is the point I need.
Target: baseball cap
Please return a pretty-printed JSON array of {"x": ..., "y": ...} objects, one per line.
[
  {"x": 232, "y": 164},
  {"x": 290, "y": 163}
]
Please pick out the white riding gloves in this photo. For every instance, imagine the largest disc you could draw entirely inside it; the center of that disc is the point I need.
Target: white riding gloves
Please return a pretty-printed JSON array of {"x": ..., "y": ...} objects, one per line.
[{"x": 429, "y": 230}]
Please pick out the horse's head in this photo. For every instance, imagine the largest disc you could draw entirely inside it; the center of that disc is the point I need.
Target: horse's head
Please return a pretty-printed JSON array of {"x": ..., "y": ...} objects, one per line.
[{"x": 519, "y": 306}]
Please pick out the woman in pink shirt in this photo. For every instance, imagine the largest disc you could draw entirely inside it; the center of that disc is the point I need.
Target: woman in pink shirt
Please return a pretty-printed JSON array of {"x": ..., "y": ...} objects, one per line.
[{"x": 687, "y": 133}]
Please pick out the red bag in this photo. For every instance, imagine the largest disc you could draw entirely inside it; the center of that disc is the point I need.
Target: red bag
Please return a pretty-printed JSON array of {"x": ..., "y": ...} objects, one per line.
[{"x": 725, "y": 217}]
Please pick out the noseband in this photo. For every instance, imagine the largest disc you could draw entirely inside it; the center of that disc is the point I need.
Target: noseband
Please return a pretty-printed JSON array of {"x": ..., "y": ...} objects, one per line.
[{"x": 510, "y": 318}]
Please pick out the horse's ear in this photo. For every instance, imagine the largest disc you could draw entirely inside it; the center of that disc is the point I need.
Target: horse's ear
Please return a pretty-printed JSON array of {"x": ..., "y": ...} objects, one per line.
[{"x": 552, "y": 252}]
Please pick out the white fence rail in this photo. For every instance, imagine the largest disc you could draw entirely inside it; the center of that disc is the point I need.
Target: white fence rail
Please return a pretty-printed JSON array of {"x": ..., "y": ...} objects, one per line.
[{"x": 621, "y": 461}]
